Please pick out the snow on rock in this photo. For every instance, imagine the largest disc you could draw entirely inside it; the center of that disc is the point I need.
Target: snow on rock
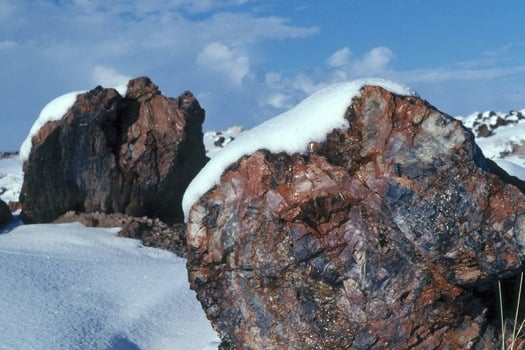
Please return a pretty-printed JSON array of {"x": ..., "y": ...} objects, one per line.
[
  {"x": 310, "y": 120},
  {"x": 71, "y": 287},
  {"x": 55, "y": 110},
  {"x": 512, "y": 166}
]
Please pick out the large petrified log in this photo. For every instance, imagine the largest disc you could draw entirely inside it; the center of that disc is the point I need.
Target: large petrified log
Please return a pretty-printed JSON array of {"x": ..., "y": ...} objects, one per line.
[
  {"x": 132, "y": 154},
  {"x": 390, "y": 234}
]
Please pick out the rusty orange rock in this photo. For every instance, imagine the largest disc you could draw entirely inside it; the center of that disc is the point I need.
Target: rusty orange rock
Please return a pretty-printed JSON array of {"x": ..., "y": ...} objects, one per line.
[
  {"x": 387, "y": 235},
  {"x": 132, "y": 154}
]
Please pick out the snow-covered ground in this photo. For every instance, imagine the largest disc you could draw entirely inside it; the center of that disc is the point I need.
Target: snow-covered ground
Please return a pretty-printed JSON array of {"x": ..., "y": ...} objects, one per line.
[{"x": 71, "y": 287}]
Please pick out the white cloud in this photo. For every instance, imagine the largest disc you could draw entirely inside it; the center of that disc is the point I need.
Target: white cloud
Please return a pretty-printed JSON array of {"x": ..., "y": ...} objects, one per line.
[
  {"x": 376, "y": 60},
  {"x": 7, "y": 10},
  {"x": 436, "y": 75},
  {"x": 64, "y": 40},
  {"x": 499, "y": 51},
  {"x": 307, "y": 84},
  {"x": 284, "y": 92},
  {"x": 8, "y": 44},
  {"x": 211, "y": 46},
  {"x": 108, "y": 77},
  {"x": 220, "y": 58},
  {"x": 339, "y": 58},
  {"x": 279, "y": 101},
  {"x": 340, "y": 66},
  {"x": 245, "y": 28},
  {"x": 208, "y": 5},
  {"x": 273, "y": 79},
  {"x": 98, "y": 30}
]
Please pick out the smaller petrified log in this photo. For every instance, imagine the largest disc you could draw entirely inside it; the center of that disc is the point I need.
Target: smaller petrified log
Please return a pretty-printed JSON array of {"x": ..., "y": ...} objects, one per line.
[{"x": 132, "y": 154}]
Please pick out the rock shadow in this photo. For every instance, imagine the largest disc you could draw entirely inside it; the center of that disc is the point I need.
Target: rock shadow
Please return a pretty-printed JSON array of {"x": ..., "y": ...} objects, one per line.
[
  {"x": 120, "y": 342},
  {"x": 15, "y": 222}
]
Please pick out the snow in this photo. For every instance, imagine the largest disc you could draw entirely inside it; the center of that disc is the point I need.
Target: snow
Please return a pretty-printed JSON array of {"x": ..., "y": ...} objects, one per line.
[
  {"x": 122, "y": 89},
  {"x": 502, "y": 140},
  {"x": 71, "y": 287},
  {"x": 512, "y": 167},
  {"x": 506, "y": 143},
  {"x": 310, "y": 120},
  {"x": 11, "y": 178},
  {"x": 55, "y": 110},
  {"x": 490, "y": 117},
  {"x": 212, "y": 139}
]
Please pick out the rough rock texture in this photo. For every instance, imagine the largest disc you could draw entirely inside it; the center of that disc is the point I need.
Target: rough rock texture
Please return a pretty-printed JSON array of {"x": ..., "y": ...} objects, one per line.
[
  {"x": 133, "y": 155},
  {"x": 5, "y": 214},
  {"x": 152, "y": 232},
  {"x": 388, "y": 235}
]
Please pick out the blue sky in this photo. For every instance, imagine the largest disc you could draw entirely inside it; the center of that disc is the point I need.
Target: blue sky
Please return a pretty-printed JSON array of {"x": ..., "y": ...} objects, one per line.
[{"x": 248, "y": 60}]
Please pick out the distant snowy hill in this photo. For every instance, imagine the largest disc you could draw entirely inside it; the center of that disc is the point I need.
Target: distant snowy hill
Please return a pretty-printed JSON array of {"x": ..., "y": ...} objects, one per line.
[
  {"x": 11, "y": 177},
  {"x": 214, "y": 141},
  {"x": 501, "y": 137}
]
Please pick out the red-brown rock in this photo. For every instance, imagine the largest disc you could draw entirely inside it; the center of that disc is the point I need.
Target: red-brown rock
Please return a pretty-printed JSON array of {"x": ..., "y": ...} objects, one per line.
[
  {"x": 132, "y": 154},
  {"x": 388, "y": 235},
  {"x": 14, "y": 206}
]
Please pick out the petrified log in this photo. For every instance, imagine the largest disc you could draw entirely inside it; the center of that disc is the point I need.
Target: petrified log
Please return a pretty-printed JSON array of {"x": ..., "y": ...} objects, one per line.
[
  {"x": 132, "y": 154},
  {"x": 389, "y": 234}
]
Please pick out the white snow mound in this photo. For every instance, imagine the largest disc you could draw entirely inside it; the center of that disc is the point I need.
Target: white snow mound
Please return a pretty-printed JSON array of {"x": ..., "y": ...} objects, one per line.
[
  {"x": 291, "y": 131},
  {"x": 55, "y": 110},
  {"x": 71, "y": 287}
]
